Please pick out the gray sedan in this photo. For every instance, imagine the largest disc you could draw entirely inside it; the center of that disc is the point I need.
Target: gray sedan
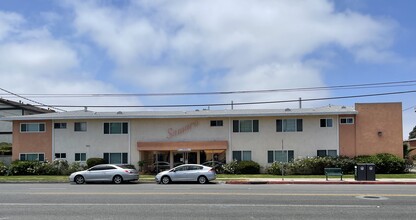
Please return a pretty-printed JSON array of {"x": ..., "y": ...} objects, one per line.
[
  {"x": 185, "y": 173},
  {"x": 105, "y": 173}
]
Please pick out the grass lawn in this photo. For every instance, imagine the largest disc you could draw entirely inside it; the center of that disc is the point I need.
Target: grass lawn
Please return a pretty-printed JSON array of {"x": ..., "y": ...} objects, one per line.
[
  {"x": 150, "y": 178},
  {"x": 251, "y": 176}
]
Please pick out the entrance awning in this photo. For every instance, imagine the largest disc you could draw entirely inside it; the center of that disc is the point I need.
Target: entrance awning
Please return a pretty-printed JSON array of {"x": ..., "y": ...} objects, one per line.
[{"x": 178, "y": 146}]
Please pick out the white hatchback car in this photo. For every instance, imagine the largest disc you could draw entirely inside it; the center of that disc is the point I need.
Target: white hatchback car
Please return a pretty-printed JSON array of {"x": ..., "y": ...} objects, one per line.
[{"x": 187, "y": 173}]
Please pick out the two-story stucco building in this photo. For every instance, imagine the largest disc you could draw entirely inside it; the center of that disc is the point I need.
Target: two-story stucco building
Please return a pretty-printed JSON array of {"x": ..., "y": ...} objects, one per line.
[{"x": 263, "y": 136}]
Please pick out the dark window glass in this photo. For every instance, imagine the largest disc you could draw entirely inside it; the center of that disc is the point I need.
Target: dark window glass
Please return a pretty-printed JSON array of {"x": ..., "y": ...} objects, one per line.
[
  {"x": 125, "y": 128},
  {"x": 299, "y": 124},
  {"x": 255, "y": 125},
  {"x": 321, "y": 153},
  {"x": 279, "y": 127},
  {"x": 270, "y": 156},
  {"x": 235, "y": 126},
  {"x": 323, "y": 123},
  {"x": 237, "y": 155},
  {"x": 125, "y": 160}
]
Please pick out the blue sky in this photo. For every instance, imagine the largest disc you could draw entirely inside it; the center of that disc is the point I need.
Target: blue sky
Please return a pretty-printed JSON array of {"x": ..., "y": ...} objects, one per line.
[{"x": 155, "y": 46}]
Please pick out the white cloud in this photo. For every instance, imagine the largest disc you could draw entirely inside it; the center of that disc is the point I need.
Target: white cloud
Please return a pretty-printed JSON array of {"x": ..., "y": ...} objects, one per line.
[
  {"x": 8, "y": 23},
  {"x": 33, "y": 61},
  {"x": 156, "y": 44}
]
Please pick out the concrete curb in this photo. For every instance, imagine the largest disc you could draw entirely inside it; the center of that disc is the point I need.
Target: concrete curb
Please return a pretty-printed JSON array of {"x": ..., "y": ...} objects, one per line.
[{"x": 325, "y": 182}]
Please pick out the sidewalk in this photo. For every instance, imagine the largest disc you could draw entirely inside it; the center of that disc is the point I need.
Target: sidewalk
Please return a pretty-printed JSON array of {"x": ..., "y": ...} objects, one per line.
[{"x": 317, "y": 181}]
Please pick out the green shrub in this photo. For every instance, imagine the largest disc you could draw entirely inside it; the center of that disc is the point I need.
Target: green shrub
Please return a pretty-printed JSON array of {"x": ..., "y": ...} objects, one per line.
[
  {"x": 25, "y": 167},
  {"x": 248, "y": 167},
  {"x": 241, "y": 167},
  {"x": 3, "y": 169},
  {"x": 275, "y": 168},
  {"x": 312, "y": 166},
  {"x": 230, "y": 168},
  {"x": 385, "y": 163},
  {"x": 75, "y": 167},
  {"x": 95, "y": 161},
  {"x": 5, "y": 148}
]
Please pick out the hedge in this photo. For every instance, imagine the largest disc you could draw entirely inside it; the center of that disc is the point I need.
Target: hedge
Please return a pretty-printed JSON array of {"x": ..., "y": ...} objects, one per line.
[
  {"x": 95, "y": 161},
  {"x": 56, "y": 167},
  {"x": 385, "y": 163},
  {"x": 241, "y": 167}
]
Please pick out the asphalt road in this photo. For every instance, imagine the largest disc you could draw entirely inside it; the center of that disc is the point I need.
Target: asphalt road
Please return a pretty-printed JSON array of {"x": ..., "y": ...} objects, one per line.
[{"x": 212, "y": 201}]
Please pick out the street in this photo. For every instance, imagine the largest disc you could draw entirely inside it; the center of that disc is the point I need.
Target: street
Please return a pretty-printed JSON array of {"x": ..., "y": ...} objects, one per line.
[{"x": 211, "y": 201}]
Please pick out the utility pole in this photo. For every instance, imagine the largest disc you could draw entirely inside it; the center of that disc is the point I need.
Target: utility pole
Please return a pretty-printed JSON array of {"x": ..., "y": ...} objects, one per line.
[{"x": 283, "y": 165}]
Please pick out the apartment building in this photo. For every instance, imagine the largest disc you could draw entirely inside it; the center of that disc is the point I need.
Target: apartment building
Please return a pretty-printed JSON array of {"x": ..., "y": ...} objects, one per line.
[{"x": 261, "y": 135}]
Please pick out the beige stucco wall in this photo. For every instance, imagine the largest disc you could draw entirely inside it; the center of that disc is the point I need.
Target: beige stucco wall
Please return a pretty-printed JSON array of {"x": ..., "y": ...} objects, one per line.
[
  {"x": 379, "y": 129},
  {"x": 304, "y": 144},
  {"x": 93, "y": 142}
]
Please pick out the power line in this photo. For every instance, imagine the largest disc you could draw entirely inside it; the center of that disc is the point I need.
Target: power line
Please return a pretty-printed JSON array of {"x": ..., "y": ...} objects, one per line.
[
  {"x": 337, "y": 87},
  {"x": 39, "y": 103},
  {"x": 235, "y": 103},
  {"x": 409, "y": 108}
]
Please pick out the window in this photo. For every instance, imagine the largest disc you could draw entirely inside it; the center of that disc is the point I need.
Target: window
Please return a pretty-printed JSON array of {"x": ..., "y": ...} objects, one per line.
[
  {"x": 116, "y": 158},
  {"x": 242, "y": 155},
  {"x": 280, "y": 156},
  {"x": 32, "y": 127},
  {"x": 79, "y": 157},
  {"x": 80, "y": 126},
  {"x": 216, "y": 123},
  {"x": 326, "y": 122},
  {"x": 116, "y": 128},
  {"x": 327, "y": 153},
  {"x": 102, "y": 167},
  {"x": 60, "y": 155},
  {"x": 347, "y": 120},
  {"x": 59, "y": 125},
  {"x": 32, "y": 157},
  {"x": 289, "y": 125},
  {"x": 245, "y": 125}
]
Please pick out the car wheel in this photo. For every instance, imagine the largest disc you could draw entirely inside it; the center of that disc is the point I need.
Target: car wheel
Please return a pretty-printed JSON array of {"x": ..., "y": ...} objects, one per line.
[
  {"x": 79, "y": 179},
  {"x": 117, "y": 179},
  {"x": 165, "y": 180},
  {"x": 202, "y": 180}
]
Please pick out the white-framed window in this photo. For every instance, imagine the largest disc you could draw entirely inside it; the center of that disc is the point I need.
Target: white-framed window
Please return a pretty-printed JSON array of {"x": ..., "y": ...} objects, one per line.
[
  {"x": 59, "y": 125},
  {"x": 32, "y": 127},
  {"x": 289, "y": 125},
  {"x": 80, "y": 126},
  {"x": 60, "y": 155},
  {"x": 32, "y": 157},
  {"x": 217, "y": 123},
  {"x": 116, "y": 128},
  {"x": 116, "y": 158},
  {"x": 242, "y": 155},
  {"x": 347, "y": 120},
  {"x": 326, "y": 153},
  {"x": 326, "y": 122},
  {"x": 245, "y": 125},
  {"x": 280, "y": 156},
  {"x": 80, "y": 157}
]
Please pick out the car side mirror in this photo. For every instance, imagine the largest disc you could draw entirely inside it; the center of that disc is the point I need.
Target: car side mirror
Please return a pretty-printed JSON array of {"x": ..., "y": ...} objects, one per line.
[{"x": 173, "y": 170}]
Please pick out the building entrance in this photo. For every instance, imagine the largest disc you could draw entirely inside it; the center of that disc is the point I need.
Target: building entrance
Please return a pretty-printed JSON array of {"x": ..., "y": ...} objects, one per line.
[{"x": 185, "y": 158}]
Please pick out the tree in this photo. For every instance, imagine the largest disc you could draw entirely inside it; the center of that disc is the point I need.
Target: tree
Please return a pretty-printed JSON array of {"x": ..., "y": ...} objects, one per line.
[{"x": 412, "y": 134}]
